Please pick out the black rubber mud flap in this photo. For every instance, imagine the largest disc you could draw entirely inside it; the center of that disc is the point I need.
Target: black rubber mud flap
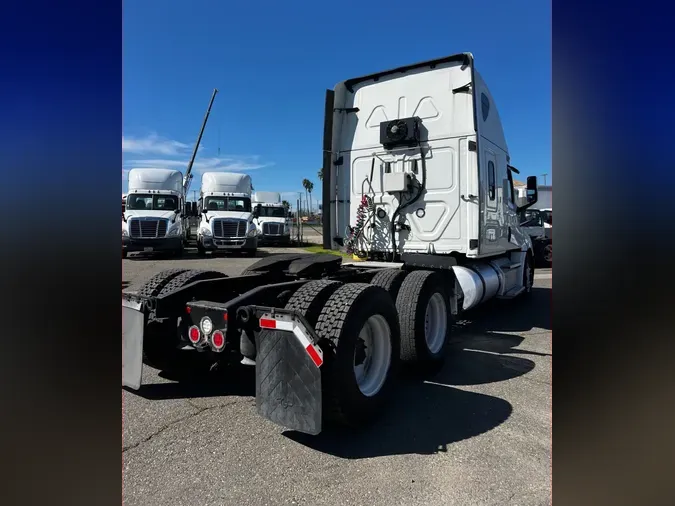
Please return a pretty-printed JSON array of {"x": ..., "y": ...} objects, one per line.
[{"x": 287, "y": 383}]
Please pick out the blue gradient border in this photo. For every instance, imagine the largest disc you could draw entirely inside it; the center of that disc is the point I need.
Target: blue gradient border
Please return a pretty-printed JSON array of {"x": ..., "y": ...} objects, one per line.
[{"x": 60, "y": 150}]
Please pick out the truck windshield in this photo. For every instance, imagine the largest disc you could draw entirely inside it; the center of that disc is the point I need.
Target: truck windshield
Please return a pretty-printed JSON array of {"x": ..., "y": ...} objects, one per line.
[
  {"x": 152, "y": 202},
  {"x": 228, "y": 204},
  {"x": 272, "y": 212}
]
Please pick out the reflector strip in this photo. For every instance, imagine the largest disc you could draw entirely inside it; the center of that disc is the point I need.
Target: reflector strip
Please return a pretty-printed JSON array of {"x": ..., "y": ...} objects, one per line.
[
  {"x": 313, "y": 351},
  {"x": 266, "y": 323},
  {"x": 314, "y": 355}
]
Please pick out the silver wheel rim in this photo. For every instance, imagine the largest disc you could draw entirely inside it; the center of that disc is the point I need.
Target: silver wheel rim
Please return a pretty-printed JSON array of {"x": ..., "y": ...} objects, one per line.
[
  {"x": 548, "y": 253},
  {"x": 372, "y": 355},
  {"x": 435, "y": 323}
]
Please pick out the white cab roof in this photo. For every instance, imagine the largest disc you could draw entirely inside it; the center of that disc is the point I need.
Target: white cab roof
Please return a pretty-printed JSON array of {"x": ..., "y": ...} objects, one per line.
[{"x": 155, "y": 179}]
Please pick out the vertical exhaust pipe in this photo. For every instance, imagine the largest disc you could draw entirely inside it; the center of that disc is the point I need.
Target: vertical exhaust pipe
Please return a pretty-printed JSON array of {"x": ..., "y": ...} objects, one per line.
[{"x": 327, "y": 169}]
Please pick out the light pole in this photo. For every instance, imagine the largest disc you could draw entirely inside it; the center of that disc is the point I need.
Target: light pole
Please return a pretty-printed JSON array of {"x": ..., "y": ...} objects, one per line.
[{"x": 544, "y": 176}]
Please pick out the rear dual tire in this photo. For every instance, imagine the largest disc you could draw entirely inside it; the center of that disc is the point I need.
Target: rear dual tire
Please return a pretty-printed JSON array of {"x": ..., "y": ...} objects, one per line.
[{"x": 358, "y": 333}]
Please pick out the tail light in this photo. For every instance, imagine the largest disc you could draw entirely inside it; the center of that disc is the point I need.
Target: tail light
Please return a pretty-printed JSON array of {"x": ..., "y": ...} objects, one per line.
[
  {"x": 218, "y": 340},
  {"x": 194, "y": 335}
]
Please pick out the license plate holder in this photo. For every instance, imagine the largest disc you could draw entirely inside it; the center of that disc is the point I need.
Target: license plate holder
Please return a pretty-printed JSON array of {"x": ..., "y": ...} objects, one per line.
[{"x": 148, "y": 249}]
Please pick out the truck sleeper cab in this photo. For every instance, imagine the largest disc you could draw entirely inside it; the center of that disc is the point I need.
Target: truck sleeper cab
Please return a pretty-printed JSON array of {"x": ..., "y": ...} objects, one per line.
[
  {"x": 226, "y": 215},
  {"x": 153, "y": 216},
  {"x": 437, "y": 228}
]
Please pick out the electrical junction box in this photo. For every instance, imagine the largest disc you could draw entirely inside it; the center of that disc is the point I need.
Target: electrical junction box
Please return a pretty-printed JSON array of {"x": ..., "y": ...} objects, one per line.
[{"x": 396, "y": 182}]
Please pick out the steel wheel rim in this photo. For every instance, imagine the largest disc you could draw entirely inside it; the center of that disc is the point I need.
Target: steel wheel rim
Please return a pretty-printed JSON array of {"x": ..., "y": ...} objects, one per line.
[
  {"x": 435, "y": 322},
  {"x": 371, "y": 367},
  {"x": 548, "y": 253}
]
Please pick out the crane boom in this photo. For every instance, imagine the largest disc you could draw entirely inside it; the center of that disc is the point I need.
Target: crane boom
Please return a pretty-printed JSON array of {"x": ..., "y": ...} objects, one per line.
[{"x": 188, "y": 173}]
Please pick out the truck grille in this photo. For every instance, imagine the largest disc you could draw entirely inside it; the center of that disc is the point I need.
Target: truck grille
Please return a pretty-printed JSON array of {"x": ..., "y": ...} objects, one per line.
[
  {"x": 147, "y": 229},
  {"x": 229, "y": 228},
  {"x": 272, "y": 228}
]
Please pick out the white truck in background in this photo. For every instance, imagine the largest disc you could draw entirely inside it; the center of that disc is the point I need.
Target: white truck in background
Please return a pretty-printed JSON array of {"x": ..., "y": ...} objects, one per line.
[
  {"x": 154, "y": 217},
  {"x": 537, "y": 221},
  {"x": 271, "y": 218},
  {"x": 226, "y": 215},
  {"x": 418, "y": 182}
]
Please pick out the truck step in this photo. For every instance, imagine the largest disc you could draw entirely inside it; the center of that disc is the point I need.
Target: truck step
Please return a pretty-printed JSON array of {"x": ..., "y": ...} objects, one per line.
[{"x": 513, "y": 292}]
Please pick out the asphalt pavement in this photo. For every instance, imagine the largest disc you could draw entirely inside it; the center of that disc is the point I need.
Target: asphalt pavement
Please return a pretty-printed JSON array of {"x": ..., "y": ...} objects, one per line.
[{"x": 476, "y": 433}]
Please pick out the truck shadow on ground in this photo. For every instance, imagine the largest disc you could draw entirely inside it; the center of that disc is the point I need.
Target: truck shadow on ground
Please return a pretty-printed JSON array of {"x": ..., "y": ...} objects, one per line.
[
  {"x": 423, "y": 418},
  {"x": 516, "y": 315}
]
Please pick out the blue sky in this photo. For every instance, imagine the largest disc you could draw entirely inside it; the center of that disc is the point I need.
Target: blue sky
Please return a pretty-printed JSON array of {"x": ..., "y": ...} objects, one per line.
[{"x": 272, "y": 62}]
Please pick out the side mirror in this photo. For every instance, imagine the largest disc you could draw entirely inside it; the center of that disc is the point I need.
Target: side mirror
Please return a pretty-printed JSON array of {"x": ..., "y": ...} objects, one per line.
[
  {"x": 256, "y": 211},
  {"x": 532, "y": 193},
  {"x": 204, "y": 211}
]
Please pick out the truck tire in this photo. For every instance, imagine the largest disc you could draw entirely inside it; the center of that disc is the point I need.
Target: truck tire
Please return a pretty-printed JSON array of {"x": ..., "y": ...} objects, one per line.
[
  {"x": 390, "y": 279},
  {"x": 424, "y": 317},
  {"x": 311, "y": 297},
  {"x": 188, "y": 277},
  {"x": 547, "y": 254},
  {"x": 154, "y": 285},
  {"x": 308, "y": 300},
  {"x": 359, "y": 334},
  {"x": 201, "y": 251}
]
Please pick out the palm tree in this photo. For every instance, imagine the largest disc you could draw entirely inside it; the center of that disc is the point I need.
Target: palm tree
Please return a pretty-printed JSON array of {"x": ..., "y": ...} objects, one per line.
[
  {"x": 286, "y": 204},
  {"x": 320, "y": 175},
  {"x": 305, "y": 184},
  {"x": 309, "y": 189}
]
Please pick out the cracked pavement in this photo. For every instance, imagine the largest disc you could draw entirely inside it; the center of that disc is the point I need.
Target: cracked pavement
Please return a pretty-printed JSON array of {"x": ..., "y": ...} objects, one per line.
[{"x": 476, "y": 433}]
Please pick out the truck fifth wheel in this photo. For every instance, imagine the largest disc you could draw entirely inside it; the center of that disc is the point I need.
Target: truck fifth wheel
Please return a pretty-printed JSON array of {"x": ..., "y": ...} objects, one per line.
[{"x": 417, "y": 182}]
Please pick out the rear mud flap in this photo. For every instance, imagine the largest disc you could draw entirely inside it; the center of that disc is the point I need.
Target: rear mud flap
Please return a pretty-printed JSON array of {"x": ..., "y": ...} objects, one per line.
[
  {"x": 287, "y": 384},
  {"x": 133, "y": 324}
]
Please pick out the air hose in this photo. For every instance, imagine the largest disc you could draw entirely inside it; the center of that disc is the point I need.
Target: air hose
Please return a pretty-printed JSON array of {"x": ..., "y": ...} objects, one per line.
[
  {"x": 403, "y": 206},
  {"x": 362, "y": 216}
]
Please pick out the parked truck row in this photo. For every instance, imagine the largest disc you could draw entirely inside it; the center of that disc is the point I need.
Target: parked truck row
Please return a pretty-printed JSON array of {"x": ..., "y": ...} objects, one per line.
[
  {"x": 417, "y": 179},
  {"x": 155, "y": 214}
]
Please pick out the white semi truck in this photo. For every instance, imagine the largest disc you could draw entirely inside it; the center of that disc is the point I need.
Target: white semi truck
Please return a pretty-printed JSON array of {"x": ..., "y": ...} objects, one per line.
[
  {"x": 537, "y": 221},
  {"x": 153, "y": 217},
  {"x": 271, "y": 218},
  {"x": 417, "y": 180},
  {"x": 226, "y": 216}
]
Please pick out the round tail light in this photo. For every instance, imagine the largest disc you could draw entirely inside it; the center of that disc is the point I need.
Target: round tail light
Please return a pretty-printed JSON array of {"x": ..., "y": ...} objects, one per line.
[
  {"x": 218, "y": 339},
  {"x": 194, "y": 335}
]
